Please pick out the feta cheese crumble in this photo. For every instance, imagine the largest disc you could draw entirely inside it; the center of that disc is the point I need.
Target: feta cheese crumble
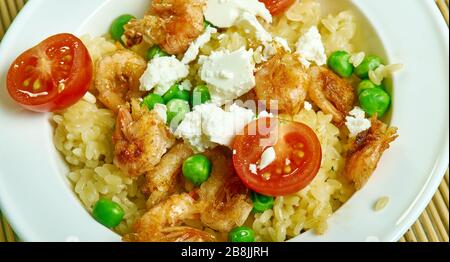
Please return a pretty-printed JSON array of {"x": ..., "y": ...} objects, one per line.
[
  {"x": 193, "y": 50},
  {"x": 226, "y": 13},
  {"x": 253, "y": 169},
  {"x": 229, "y": 75},
  {"x": 356, "y": 122},
  {"x": 209, "y": 125},
  {"x": 267, "y": 158},
  {"x": 307, "y": 105},
  {"x": 311, "y": 49},
  {"x": 267, "y": 50},
  {"x": 283, "y": 43},
  {"x": 251, "y": 25},
  {"x": 162, "y": 73}
]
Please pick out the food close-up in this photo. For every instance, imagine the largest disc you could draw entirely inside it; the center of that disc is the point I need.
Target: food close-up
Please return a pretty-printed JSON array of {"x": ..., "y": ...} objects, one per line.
[{"x": 216, "y": 121}]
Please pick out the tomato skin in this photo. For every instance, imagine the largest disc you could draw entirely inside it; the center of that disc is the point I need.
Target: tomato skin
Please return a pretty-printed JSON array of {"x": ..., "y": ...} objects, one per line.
[
  {"x": 76, "y": 76},
  {"x": 288, "y": 136},
  {"x": 277, "y": 7}
]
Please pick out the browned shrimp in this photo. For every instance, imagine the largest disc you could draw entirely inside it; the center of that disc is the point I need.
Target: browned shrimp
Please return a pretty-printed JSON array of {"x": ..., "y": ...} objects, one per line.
[
  {"x": 162, "y": 222},
  {"x": 161, "y": 181},
  {"x": 221, "y": 203},
  {"x": 172, "y": 24},
  {"x": 331, "y": 93},
  {"x": 117, "y": 78},
  {"x": 366, "y": 151},
  {"x": 224, "y": 200},
  {"x": 284, "y": 79},
  {"x": 140, "y": 140}
]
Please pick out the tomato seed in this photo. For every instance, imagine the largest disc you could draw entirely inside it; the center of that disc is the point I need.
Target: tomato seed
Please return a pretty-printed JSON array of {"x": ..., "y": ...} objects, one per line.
[
  {"x": 266, "y": 176},
  {"x": 67, "y": 58},
  {"x": 287, "y": 170},
  {"x": 61, "y": 87},
  {"x": 300, "y": 154},
  {"x": 26, "y": 83},
  {"x": 37, "y": 85}
]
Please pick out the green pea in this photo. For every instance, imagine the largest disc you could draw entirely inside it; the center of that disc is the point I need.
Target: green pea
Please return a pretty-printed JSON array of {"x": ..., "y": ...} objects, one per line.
[
  {"x": 108, "y": 213},
  {"x": 197, "y": 169},
  {"x": 369, "y": 63},
  {"x": 155, "y": 51},
  {"x": 200, "y": 95},
  {"x": 242, "y": 234},
  {"x": 367, "y": 84},
  {"x": 375, "y": 101},
  {"x": 176, "y": 110},
  {"x": 261, "y": 203},
  {"x": 339, "y": 62},
  {"x": 151, "y": 100},
  {"x": 176, "y": 92},
  {"x": 117, "y": 27}
]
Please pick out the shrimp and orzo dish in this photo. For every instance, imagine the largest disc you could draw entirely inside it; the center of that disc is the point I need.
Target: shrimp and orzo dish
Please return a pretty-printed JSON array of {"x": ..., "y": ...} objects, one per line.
[{"x": 212, "y": 120}]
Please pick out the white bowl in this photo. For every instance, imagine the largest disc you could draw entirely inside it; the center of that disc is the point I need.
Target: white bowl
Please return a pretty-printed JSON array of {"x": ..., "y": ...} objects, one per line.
[{"x": 35, "y": 195}]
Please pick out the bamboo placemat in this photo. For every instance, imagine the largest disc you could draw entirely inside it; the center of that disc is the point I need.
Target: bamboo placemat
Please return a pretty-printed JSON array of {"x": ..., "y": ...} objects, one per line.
[{"x": 432, "y": 226}]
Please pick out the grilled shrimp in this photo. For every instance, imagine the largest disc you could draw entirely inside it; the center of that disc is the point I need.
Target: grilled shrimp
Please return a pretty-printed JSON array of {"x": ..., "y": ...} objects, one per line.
[
  {"x": 162, "y": 222},
  {"x": 283, "y": 78},
  {"x": 224, "y": 200},
  {"x": 117, "y": 78},
  {"x": 366, "y": 151},
  {"x": 161, "y": 180},
  {"x": 140, "y": 140},
  {"x": 221, "y": 203},
  {"x": 172, "y": 24},
  {"x": 331, "y": 93}
]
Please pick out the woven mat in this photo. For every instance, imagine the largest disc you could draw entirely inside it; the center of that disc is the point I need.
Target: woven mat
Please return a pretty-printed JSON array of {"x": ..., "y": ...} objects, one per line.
[{"x": 432, "y": 226}]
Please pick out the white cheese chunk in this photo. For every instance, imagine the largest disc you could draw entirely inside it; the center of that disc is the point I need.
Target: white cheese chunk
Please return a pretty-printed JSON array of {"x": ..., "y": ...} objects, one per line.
[
  {"x": 307, "y": 106},
  {"x": 267, "y": 50},
  {"x": 209, "y": 125},
  {"x": 161, "y": 110},
  {"x": 356, "y": 122},
  {"x": 253, "y": 169},
  {"x": 190, "y": 130},
  {"x": 251, "y": 25},
  {"x": 225, "y": 13},
  {"x": 193, "y": 50},
  {"x": 267, "y": 158},
  {"x": 229, "y": 75},
  {"x": 310, "y": 48},
  {"x": 162, "y": 73},
  {"x": 283, "y": 43}
]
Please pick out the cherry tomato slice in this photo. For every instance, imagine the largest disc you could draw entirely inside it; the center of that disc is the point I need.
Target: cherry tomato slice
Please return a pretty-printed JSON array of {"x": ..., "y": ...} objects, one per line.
[
  {"x": 277, "y": 7},
  {"x": 298, "y": 156},
  {"x": 51, "y": 76}
]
